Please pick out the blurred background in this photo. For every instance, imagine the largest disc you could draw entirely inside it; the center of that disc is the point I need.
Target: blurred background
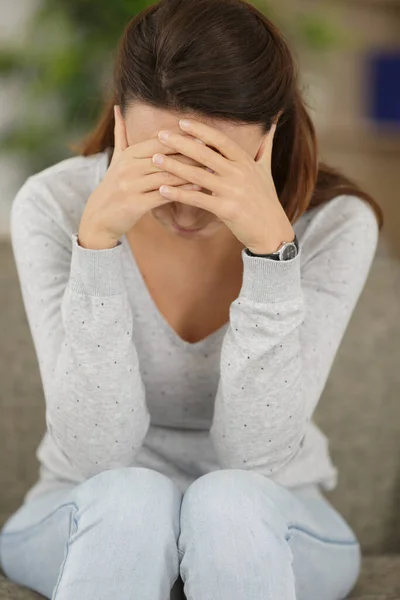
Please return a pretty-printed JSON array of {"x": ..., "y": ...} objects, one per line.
[{"x": 56, "y": 59}]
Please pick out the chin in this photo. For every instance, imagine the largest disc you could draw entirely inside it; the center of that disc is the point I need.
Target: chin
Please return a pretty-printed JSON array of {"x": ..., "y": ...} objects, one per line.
[{"x": 207, "y": 230}]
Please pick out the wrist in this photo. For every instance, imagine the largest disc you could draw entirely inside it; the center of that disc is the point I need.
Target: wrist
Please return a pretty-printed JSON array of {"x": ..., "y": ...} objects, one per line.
[
  {"x": 273, "y": 243},
  {"x": 96, "y": 273},
  {"x": 96, "y": 241}
]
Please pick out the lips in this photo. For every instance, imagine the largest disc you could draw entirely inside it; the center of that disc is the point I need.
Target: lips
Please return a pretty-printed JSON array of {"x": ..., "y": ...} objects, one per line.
[{"x": 188, "y": 230}]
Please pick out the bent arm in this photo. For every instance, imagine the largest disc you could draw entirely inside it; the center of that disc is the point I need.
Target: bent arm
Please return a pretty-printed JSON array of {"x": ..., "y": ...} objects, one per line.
[
  {"x": 285, "y": 329},
  {"x": 81, "y": 324}
]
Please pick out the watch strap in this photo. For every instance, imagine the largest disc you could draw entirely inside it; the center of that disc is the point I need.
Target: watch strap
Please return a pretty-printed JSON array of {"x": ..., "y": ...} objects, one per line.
[{"x": 274, "y": 255}]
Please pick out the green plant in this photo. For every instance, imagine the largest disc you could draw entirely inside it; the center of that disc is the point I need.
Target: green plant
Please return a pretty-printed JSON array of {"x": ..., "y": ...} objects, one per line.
[{"x": 65, "y": 64}]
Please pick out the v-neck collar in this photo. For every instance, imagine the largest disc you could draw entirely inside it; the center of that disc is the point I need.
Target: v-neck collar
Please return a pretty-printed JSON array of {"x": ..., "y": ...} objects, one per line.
[{"x": 164, "y": 325}]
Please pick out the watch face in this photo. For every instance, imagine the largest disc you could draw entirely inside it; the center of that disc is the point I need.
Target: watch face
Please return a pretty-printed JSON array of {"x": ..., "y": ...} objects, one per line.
[{"x": 289, "y": 252}]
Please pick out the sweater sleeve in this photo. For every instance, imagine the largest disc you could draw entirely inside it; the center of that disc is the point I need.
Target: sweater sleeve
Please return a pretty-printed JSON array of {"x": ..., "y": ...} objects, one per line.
[
  {"x": 285, "y": 329},
  {"x": 81, "y": 324}
]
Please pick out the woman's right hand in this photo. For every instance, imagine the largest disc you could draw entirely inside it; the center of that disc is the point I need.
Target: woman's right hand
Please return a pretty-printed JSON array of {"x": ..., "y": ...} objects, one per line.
[{"x": 129, "y": 189}]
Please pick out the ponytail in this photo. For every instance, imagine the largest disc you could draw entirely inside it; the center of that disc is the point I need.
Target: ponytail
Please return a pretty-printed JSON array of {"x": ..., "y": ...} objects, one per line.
[
  {"x": 294, "y": 159},
  {"x": 103, "y": 135},
  {"x": 302, "y": 182}
]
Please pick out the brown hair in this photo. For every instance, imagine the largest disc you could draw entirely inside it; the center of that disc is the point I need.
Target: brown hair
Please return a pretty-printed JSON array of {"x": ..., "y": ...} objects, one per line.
[{"x": 226, "y": 60}]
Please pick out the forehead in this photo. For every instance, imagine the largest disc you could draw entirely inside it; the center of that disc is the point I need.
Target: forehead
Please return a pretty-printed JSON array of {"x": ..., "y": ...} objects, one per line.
[{"x": 144, "y": 122}]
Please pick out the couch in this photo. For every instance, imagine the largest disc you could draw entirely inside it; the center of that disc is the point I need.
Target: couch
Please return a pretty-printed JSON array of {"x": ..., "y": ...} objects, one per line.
[{"x": 359, "y": 410}]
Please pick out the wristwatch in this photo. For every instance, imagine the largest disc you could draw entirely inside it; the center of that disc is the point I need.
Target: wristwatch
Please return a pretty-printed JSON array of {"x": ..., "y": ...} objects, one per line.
[{"x": 286, "y": 251}]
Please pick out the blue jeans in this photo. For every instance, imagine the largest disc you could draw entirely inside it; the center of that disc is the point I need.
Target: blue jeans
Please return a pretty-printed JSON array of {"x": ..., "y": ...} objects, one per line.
[{"x": 130, "y": 533}]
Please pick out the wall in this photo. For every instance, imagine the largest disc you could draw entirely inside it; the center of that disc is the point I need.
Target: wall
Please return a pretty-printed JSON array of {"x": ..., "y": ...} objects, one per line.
[
  {"x": 337, "y": 94},
  {"x": 14, "y": 16},
  {"x": 348, "y": 139}
]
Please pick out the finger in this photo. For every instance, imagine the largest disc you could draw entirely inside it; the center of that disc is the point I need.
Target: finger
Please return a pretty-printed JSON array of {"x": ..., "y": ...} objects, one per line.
[
  {"x": 265, "y": 155},
  {"x": 192, "y": 198},
  {"x": 270, "y": 139},
  {"x": 148, "y": 166},
  {"x": 154, "y": 198},
  {"x": 215, "y": 138},
  {"x": 190, "y": 186},
  {"x": 120, "y": 136},
  {"x": 136, "y": 170},
  {"x": 147, "y": 148},
  {"x": 197, "y": 175},
  {"x": 153, "y": 181},
  {"x": 189, "y": 146}
]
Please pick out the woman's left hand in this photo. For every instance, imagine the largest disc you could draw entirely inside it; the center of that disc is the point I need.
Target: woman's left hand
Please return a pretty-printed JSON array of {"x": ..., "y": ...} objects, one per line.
[{"x": 243, "y": 191}]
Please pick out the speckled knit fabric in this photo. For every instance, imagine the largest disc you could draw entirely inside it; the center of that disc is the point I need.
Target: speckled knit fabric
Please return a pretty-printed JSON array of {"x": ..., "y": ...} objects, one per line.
[{"x": 123, "y": 389}]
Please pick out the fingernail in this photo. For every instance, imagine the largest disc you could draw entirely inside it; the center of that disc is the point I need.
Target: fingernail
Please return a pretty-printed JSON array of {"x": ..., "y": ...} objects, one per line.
[
  {"x": 199, "y": 141},
  {"x": 184, "y": 123},
  {"x": 158, "y": 159},
  {"x": 164, "y": 135}
]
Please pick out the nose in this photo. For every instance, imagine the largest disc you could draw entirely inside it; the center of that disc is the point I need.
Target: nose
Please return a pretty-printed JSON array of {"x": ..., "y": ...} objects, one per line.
[{"x": 185, "y": 215}]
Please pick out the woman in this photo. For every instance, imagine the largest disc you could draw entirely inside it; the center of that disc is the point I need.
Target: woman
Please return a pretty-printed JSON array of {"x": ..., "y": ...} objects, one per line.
[{"x": 185, "y": 333}]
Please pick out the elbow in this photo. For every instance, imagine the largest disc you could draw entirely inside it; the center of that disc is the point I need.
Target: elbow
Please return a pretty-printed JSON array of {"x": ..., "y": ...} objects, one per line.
[
  {"x": 266, "y": 457},
  {"x": 266, "y": 463},
  {"x": 91, "y": 467},
  {"x": 91, "y": 455},
  {"x": 232, "y": 454},
  {"x": 89, "y": 462}
]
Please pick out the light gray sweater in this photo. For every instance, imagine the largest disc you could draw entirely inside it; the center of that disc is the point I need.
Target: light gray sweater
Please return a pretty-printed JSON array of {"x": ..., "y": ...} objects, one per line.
[{"x": 123, "y": 389}]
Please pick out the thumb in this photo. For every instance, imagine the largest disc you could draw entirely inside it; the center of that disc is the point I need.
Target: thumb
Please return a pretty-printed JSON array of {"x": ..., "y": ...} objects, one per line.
[
  {"x": 264, "y": 154},
  {"x": 120, "y": 137}
]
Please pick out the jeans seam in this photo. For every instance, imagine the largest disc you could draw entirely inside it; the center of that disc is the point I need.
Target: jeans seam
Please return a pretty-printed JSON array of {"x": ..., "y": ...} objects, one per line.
[
  {"x": 28, "y": 530},
  {"x": 180, "y": 552},
  {"x": 62, "y": 567},
  {"x": 297, "y": 528}
]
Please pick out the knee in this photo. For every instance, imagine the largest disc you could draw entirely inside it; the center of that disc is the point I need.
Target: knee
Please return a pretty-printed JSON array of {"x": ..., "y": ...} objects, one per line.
[
  {"x": 233, "y": 496},
  {"x": 128, "y": 492},
  {"x": 234, "y": 509}
]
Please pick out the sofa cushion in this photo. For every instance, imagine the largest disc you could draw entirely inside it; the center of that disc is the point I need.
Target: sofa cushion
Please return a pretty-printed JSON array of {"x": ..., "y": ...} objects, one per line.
[
  {"x": 360, "y": 412},
  {"x": 11, "y": 591},
  {"x": 379, "y": 581}
]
